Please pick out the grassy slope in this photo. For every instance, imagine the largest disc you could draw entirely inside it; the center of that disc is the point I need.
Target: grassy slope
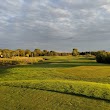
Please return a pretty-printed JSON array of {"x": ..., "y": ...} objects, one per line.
[
  {"x": 31, "y": 99},
  {"x": 68, "y": 68},
  {"x": 59, "y": 68},
  {"x": 90, "y": 89}
]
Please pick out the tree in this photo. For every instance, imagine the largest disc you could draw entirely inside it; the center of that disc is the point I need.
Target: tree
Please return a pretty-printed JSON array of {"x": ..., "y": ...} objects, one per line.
[
  {"x": 75, "y": 52},
  {"x": 13, "y": 53},
  {"x": 37, "y": 52},
  {"x": 103, "y": 57},
  {"x": 22, "y": 53},
  {"x": 45, "y": 53},
  {"x": 17, "y": 52},
  {"x": 53, "y": 53},
  {"x": 0, "y": 51},
  {"x": 6, "y": 53},
  {"x": 27, "y": 53}
]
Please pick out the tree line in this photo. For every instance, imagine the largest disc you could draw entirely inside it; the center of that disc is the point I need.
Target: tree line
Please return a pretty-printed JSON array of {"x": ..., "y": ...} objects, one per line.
[
  {"x": 75, "y": 52},
  {"x": 7, "y": 53},
  {"x": 101, "y": 56}
]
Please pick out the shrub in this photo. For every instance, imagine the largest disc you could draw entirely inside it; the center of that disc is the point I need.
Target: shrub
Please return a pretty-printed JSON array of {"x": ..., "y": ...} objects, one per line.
[{"x": 103, "y": 57}]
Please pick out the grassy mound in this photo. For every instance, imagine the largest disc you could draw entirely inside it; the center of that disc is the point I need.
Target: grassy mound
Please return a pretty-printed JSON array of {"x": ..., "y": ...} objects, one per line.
[
  {"x": 90, "y": 89},
  {"x": 13, "y": 98}
]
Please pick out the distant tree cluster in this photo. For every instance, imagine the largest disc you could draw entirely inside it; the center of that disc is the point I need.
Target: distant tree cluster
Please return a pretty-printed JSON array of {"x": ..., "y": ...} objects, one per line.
[
  {"x": 75, "y": 52},
  {"x": 103, "y": 57},
  {"x": 88, "y": 53},
  {"x": 7, "y": 53}
]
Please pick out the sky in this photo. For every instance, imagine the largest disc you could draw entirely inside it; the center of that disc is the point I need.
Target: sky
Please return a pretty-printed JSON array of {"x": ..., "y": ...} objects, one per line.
[{"x": 59, "y": 25}]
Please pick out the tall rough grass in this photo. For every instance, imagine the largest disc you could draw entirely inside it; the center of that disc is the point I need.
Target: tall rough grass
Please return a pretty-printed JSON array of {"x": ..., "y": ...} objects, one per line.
[
  {"x": 90, "y": 89},
  {"x": 19, "y": 60}
]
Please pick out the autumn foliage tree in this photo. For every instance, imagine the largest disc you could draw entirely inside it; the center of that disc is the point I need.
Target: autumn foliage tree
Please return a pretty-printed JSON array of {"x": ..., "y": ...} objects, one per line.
[
  {"x": 75, "y": 52},
  {"x": 7, "y": 53}
]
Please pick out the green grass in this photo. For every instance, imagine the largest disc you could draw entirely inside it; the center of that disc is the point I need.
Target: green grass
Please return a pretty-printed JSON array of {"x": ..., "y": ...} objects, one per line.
[
  {"x": 32, "y": 99},
  {"x": 66, "y": 68},
  {"x": 60, "y": 76},
  {"x": 90, "y": 89}
]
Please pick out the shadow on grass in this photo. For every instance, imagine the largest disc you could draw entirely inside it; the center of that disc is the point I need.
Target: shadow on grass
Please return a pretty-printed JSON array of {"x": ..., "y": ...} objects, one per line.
[
  {"x": 3, "y": 71},
  {"x": 86, "y": 58},
  {"x": 78, "y": 95},
  {"x": 61, "y": 64},
  {"x": 64, "y": 64}
]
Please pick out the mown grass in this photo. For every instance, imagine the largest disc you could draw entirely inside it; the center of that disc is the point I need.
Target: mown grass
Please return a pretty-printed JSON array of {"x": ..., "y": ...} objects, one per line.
[
  {"x": 31, "y": 99},
  {"x": 90, "y": 89},
  {"x": 66, "y": 68},
  {"x": 66, "y": 75}
]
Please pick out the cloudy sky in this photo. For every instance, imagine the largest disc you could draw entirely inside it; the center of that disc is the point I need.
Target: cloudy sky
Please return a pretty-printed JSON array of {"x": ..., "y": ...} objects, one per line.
[{"x": 59, "y": 25}]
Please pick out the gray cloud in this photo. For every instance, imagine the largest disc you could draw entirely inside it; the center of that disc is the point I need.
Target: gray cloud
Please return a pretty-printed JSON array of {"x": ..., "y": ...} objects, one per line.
[{"x": 55, "y": 24}]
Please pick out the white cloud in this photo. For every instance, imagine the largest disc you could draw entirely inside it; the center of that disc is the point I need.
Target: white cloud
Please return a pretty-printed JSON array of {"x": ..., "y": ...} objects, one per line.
[
  {"x": 106, "y": 7},
  {"x": 55, "y": 22}
]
